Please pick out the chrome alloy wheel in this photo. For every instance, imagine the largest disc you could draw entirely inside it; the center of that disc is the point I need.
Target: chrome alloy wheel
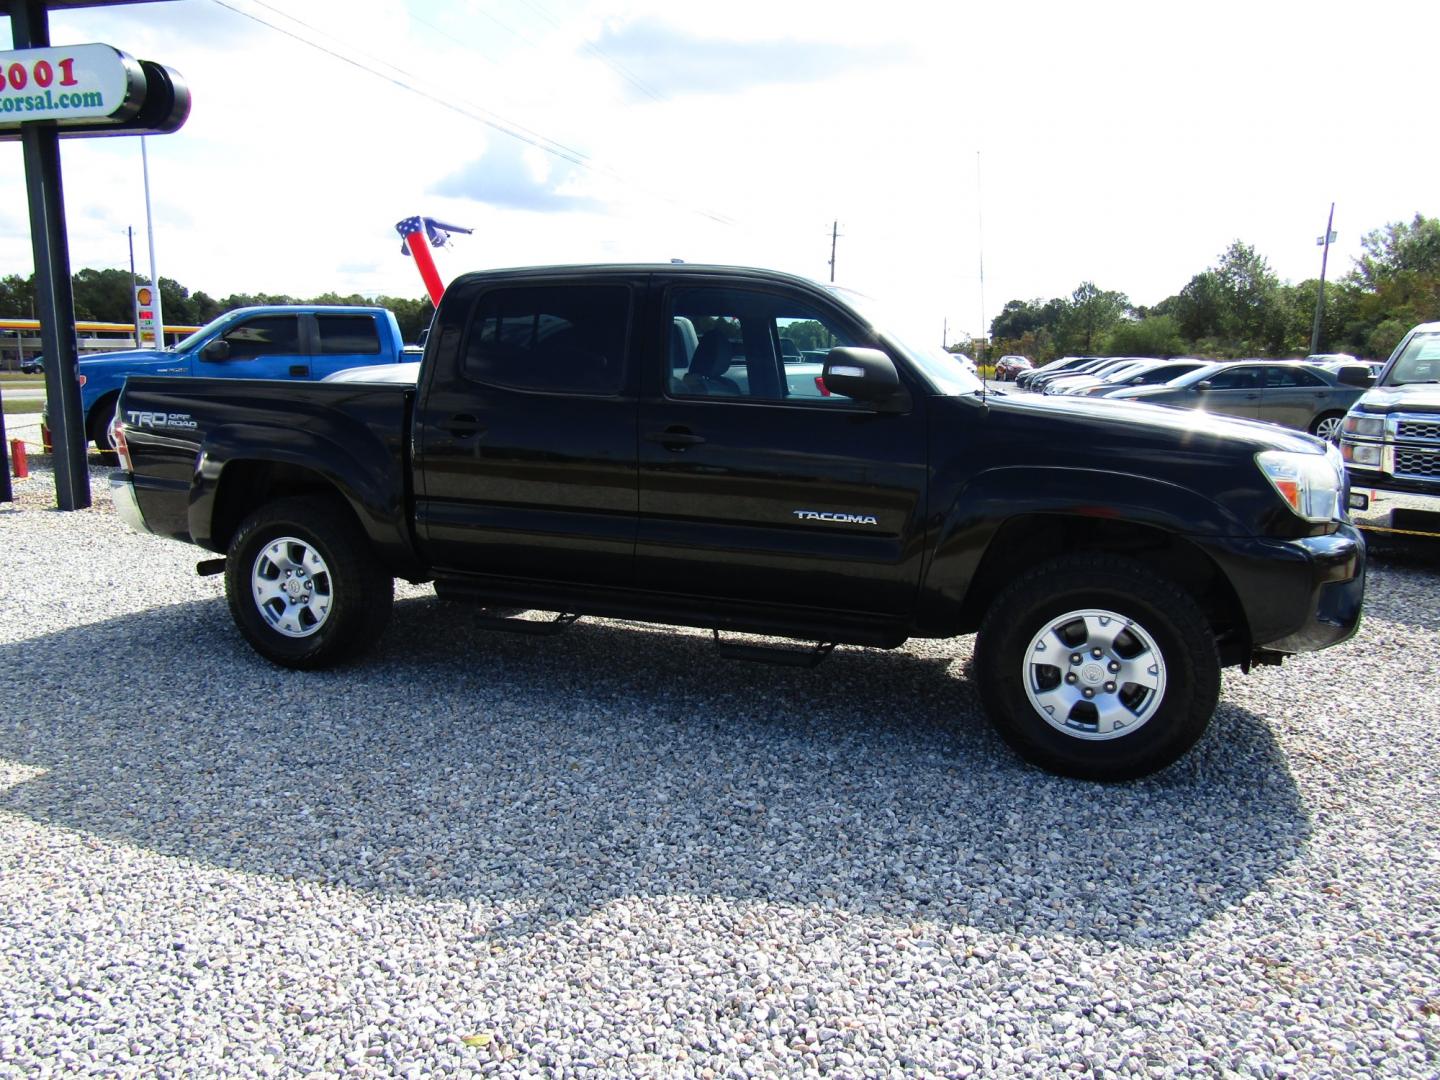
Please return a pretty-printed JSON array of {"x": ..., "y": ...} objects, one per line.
[
  {"x": 1329, "y": 428},
  {"x": 1094, "y": 674},
  {"x": 291, "y": 586}
]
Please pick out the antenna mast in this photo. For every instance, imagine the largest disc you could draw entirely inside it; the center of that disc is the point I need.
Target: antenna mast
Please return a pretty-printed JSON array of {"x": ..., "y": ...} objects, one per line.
[{"x": 980, "y": 234}]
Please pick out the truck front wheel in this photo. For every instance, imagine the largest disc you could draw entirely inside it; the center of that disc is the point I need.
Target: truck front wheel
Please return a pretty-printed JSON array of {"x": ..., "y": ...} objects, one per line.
[
  {"x": 1093, "y": 666},
  {"x": 303, "y": 585}
]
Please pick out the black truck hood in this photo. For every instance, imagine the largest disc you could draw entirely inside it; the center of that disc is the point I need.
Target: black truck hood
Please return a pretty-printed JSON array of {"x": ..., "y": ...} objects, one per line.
[
  {"x": 1166, "y": 422},
  {"x": 1417, "y": 397}
]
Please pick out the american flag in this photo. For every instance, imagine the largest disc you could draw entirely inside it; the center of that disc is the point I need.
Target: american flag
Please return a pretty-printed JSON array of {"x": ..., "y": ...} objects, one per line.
[{"x": 437, "y": 232}]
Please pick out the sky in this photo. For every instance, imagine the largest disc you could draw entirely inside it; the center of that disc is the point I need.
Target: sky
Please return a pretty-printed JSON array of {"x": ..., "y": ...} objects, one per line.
[{"x": 1031, "y": 146}]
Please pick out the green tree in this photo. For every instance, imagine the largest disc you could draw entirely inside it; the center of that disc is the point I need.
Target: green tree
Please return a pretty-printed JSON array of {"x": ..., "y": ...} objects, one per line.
[
  {"x": 1156, "y": 335},
  {"x": 1248, "y": 291},
  {"x": 103, "y": 295},
  {"x": 1398, "y": 278},
  {"x": 1399, "y": 249},
  {"x": 17, "y": 297},
  {"x": 1090, "y": 317}
]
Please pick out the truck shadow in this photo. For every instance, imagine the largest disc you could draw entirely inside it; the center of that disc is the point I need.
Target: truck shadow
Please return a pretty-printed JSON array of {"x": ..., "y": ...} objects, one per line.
[{"x": 548, "y": 777}]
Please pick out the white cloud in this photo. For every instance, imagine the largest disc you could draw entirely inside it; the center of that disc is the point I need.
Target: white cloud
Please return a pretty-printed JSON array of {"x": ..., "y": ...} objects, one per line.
[{"x": 1124, "y": 143}]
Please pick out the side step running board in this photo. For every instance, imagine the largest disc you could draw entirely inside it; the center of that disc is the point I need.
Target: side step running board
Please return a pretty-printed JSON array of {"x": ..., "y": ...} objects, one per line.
[
  {"x": 532, "y": 627},
  {"x": 774, "y": 654}
]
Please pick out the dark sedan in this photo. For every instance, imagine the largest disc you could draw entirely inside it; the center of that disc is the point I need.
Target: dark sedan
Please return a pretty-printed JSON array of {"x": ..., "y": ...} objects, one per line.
[{"x": 1292, "y": 394}]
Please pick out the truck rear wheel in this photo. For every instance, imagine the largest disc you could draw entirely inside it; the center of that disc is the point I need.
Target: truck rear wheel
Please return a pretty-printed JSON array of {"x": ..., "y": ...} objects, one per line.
[
  {"x": 304, "y": 586},
  {"x": 1092, "y": 666}
]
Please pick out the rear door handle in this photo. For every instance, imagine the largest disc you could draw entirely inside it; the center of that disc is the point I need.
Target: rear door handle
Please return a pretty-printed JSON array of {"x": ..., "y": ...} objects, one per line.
[
  {"x": 299, "y": 370},
  {"x": 463, "y": 426},
  {"x": 676, "y": 438}
]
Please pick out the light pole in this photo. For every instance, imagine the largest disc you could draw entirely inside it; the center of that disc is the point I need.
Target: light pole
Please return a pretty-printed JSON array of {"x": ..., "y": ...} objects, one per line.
[{"x": 150, "y": 228}]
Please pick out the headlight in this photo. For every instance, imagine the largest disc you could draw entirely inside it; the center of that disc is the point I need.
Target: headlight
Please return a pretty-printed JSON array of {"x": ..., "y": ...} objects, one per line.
[
  {"x": 1363, "y": 453},
  {"x": 1364, "y": 425},
  {"x": 1310, "y": 483}
]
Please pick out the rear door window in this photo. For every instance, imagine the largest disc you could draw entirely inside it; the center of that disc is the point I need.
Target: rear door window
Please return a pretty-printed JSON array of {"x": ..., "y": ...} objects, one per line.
[
  {"x": 563, "y": 339},
  {"x": 349, "y": 334}
]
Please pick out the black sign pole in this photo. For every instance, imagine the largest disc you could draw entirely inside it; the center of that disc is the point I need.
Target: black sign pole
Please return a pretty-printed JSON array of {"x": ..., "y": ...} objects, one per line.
[{"x": 30, "y": 28}]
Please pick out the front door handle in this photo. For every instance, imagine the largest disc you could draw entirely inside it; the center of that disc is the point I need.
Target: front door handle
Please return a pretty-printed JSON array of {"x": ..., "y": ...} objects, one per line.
[
  {"x": 299, "y": 371},
  {"x": 675, "y": 438}
]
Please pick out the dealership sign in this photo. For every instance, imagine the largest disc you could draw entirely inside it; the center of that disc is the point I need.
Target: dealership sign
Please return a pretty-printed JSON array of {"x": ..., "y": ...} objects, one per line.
[
  {"x": 87, "y": 90},
  {"x": 72, "y": 85}
]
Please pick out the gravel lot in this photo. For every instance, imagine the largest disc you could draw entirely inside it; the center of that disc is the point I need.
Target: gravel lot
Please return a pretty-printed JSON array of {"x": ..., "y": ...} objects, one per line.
[{"x": 613, "y": 853}]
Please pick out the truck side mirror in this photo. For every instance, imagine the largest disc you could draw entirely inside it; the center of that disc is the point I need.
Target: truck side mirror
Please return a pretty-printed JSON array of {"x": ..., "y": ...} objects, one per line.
[
  {"x": 1355, "y": 376},
  {"x": 219, "y": 349},
  {"x": 867, "y": 376}
]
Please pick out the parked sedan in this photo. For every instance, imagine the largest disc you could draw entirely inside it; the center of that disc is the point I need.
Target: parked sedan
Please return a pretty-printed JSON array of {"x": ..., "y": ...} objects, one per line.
[
  {"x": 1152, "y": 373},
  {"x": 1008, "y": 367},
  {"x": 1065, "y": 363},
  {"x": 1292, "y": 394},
  {"x": 1123, "y": 365}
]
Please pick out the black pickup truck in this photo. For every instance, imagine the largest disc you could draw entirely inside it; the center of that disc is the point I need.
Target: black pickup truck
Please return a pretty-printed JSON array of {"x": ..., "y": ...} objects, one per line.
[{"x": 660, "y": 443}]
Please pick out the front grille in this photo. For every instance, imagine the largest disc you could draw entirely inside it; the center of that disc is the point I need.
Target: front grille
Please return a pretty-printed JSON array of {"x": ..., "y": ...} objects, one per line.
[
  {"x": 1418, "y": 429},
  {"x": 1420, "y": 463}
]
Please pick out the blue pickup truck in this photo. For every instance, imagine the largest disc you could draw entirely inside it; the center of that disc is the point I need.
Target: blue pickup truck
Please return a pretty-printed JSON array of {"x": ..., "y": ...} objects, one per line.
[{"x": 274, "y": 342}]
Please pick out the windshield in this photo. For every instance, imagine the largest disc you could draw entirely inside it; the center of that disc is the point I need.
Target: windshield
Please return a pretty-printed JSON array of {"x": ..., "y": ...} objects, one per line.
[
  {"x": 944, "y": 371},
  {"x": 1198, "y": 375},
  {"x": 1419, "y": 363},
  {"x": 186, "y": 342}
]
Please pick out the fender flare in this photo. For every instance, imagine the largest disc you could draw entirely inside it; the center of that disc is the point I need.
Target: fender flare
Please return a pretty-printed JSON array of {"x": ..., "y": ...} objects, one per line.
[
  {"x": 987, "y": 501},
  {"x": 354, "y": 464}
]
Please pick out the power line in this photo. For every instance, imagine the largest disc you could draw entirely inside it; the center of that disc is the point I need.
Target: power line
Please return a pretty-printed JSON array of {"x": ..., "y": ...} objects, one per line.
[
  {"x": 599, "y": 53},
  {"x": 518, "y": 131},
  {"x": 407, "y": 81}
]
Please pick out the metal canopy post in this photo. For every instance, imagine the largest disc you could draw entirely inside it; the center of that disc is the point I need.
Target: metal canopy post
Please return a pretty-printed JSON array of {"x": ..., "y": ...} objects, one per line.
[{"x": 30, "y": 28}]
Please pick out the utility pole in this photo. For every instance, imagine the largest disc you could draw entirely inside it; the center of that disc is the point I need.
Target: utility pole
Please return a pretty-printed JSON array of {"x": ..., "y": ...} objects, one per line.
[
  {"x": 1326, "y": 241},
  {"x": 834, "y": 235}
]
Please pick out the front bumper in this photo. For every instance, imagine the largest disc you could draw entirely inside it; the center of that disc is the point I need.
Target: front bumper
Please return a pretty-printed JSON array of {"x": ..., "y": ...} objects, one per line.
[
  {"x": 1380, "y": 505},
  {"x": 1298, "y": 595}
]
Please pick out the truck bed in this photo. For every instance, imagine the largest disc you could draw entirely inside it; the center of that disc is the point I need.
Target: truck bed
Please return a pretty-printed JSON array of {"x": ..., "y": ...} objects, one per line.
[{"x": 182, "y": 434}]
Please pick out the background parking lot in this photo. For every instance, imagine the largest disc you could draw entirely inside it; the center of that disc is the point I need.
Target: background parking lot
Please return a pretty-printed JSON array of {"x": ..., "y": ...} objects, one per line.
[{"x": 614, "y": 849}]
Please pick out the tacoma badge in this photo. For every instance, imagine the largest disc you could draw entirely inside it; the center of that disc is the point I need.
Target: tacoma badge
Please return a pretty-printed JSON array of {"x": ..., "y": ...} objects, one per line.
[{"x": 826, "y": 515}]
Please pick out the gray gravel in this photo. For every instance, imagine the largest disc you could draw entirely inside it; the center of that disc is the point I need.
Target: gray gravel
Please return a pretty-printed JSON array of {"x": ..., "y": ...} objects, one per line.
[{"x": 613, "y": 853}]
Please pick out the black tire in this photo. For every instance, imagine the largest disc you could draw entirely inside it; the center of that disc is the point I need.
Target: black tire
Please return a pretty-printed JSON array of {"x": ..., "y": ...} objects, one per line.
[
  {"x": 97, "y": 428},
  {"x": 1123, "y": 730},
  {"x": 330, "y": 616}
]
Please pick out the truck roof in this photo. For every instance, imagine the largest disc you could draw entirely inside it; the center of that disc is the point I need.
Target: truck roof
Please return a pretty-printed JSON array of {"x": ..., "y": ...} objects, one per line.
[{"x": 605, "y": 269}]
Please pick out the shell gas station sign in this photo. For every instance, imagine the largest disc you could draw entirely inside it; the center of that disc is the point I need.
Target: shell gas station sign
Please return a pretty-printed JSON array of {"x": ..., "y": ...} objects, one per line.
[{"x": 145, "y": 315}]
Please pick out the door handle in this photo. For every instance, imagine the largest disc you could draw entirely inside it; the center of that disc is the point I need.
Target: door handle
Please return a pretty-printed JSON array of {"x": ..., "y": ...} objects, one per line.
[
  {"x": 675, "y": 438},
  {"x": 463, "y": 426},
  {"x": 299, "y": 371}
]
